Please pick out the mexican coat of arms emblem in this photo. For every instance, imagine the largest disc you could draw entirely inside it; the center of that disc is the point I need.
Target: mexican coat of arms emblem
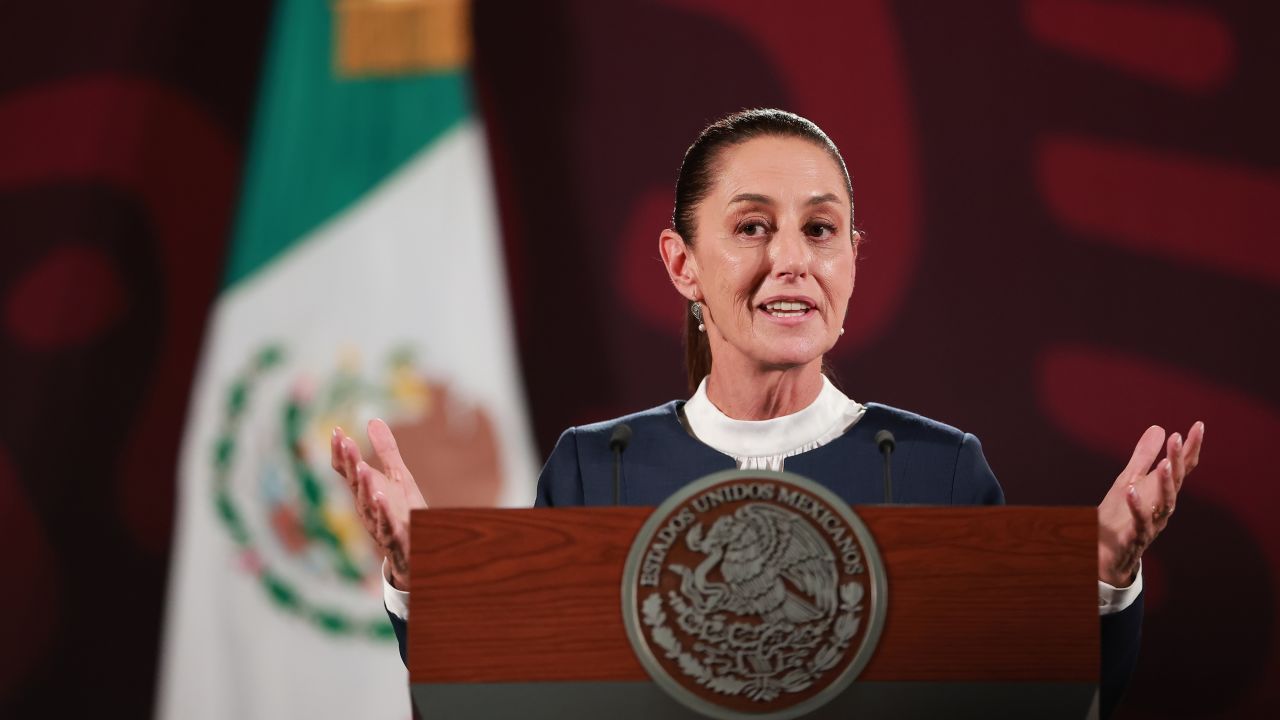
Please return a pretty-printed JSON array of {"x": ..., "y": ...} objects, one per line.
[{"x": 754, "y": 594}]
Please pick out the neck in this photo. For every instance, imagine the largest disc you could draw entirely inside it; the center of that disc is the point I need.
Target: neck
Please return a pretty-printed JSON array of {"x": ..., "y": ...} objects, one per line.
[{"x": 755, "y": 393}]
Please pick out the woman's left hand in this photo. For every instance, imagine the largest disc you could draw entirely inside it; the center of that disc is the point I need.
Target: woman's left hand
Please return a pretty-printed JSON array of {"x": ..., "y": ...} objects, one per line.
[{"x": 1138, "y": 506}]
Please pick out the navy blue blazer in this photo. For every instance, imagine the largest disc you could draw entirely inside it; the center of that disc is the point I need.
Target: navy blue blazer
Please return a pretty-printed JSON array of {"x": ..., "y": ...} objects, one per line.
[{"x": 933, "y": 464}]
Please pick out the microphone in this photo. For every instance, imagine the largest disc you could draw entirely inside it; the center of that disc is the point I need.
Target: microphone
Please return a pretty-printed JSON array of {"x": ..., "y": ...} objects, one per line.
[
  {"x": 617, "y": 443},
  {"x": 885, "y": 440}
]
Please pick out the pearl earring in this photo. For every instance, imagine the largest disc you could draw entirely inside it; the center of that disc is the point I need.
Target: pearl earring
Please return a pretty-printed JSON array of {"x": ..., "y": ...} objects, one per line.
[
  {"x": 841, "y": 331},
  {"x": 696, "y": 309}
]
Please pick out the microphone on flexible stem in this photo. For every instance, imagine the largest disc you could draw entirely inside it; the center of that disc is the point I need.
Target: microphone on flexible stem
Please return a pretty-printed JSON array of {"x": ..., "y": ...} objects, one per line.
[
  {"x": 617, "y": 443},
  {"x": 885, "y": 440}
]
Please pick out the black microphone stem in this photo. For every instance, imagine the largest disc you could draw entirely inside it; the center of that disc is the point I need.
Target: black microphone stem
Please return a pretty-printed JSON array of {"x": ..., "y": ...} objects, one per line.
[
  {"x": 617, "y": 443},
  {"x": 617, "y": 474},
  {"x": 888, "y": 477},
  {"x": 885, "y": 440}
]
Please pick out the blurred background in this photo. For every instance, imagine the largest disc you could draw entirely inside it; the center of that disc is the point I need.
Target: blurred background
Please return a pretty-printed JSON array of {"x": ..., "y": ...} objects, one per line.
[{"x": 227, "y": 226}]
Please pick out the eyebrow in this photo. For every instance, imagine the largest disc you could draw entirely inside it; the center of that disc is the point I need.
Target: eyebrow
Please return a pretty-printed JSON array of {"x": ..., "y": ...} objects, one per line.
[
  {"x": 766, "y": 200},
  {"x": 751, "y": 197}
]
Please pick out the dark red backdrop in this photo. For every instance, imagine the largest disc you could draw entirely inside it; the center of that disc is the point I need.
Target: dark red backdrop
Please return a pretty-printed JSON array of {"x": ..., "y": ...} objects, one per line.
[{"x": 1071, "y": 208}]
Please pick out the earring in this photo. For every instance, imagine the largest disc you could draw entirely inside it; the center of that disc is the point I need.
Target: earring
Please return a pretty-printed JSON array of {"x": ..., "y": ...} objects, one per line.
[
  {"x": 696, "y": 309},
  {"x": 841, "y": 331}
]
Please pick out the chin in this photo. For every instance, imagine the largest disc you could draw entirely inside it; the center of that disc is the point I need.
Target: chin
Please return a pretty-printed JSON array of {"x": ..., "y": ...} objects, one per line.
[{"x": 795, "y": 353}]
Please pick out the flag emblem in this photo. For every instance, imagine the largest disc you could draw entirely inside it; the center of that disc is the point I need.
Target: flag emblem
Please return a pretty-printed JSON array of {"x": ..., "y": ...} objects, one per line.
[{"x": 290, "y": 515}]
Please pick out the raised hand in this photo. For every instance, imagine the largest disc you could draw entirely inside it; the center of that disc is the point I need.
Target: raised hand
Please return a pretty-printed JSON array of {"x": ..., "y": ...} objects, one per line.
[
  {"x": 383, "y": 497},
  {"x": 1138, "y": 505}
]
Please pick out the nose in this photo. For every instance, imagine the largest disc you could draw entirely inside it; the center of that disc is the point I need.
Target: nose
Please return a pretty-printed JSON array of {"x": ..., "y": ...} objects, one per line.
[{"x": 790, "y": 254}]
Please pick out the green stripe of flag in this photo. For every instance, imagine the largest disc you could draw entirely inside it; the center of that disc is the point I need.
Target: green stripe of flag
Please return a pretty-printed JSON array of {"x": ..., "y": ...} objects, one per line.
[{"x": 319, "y": 141}]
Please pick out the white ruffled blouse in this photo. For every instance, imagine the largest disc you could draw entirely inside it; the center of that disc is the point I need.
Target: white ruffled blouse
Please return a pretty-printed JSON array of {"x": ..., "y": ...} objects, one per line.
[{"x": 766, "y": 444}]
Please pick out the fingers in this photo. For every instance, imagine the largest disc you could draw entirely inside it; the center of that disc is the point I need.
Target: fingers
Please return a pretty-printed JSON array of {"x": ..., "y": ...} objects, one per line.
[
  {"x": 383, "y": 527},
  {"x": 1185, "y": 454},
  {"x": 335, "y": 451},
  {"x": 1174, "y": 456},
  {"x": 350, "y": 456},
  {"x": 369, "y": 489},
  {"x": 1144, "y": 453},
  {"x": 1191, "y": 449},
  {"x": 375, "y": 508},
  {"x": 343, "y": 454},
  {"x": 366, "y": 486},
  {"x": 1125, "y": 544},
  {"x": 1143, "y": 524},
  {"x": 388, "y": 452},
  {"x": 393, "y": 537},
  {"x": 1151, "y": 517},
  {"x": 1168, "y": 493}
]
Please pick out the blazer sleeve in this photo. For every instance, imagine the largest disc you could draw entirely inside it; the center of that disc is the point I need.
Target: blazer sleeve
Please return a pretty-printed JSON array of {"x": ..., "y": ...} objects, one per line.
[
  {"x": 560, "y": 482},
  {"x": 1121, "y": 637},
  {"x": 401, "y": 629},
  {"x": 973, "y": 483}
]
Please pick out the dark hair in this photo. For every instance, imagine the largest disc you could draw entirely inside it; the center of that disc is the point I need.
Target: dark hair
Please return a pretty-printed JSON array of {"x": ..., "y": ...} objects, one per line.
[{"x": 697, "y": 174}]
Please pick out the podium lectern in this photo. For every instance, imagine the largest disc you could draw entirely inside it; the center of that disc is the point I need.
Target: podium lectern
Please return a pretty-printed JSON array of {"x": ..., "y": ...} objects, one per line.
[{"x": 991, "y": 612}]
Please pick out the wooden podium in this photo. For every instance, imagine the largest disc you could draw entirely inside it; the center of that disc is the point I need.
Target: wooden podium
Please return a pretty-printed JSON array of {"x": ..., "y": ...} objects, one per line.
[{"x": 991, "y": 612}]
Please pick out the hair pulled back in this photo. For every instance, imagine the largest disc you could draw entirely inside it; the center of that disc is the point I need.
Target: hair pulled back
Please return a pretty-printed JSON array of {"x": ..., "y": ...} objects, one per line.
[{"x": 697, "y": 175}]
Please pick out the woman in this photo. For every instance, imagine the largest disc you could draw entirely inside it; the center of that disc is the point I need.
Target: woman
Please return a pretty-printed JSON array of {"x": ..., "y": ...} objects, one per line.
[{"x": 763, "y": 248}]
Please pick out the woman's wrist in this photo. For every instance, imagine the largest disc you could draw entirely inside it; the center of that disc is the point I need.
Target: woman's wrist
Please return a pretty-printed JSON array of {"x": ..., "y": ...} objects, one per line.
[{"x": 1120, "y": 577}]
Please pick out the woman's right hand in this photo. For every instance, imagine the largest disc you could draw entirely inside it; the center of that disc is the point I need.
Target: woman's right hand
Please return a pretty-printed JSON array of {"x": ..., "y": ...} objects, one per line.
[{"x": 383, "y": 498}]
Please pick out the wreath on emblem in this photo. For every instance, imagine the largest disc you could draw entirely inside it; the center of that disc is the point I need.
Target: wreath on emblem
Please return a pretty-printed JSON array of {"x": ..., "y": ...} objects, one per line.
[
  {"x": 315, "y": 525},
  {"x": 774, "y": 623}
]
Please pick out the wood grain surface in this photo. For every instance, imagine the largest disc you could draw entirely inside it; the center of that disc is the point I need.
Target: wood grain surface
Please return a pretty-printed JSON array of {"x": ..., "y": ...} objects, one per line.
[{"x": 986, "y": 593}]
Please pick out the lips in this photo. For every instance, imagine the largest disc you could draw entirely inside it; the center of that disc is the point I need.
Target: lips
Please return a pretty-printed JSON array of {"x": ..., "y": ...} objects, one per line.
[{"x": 788, "y": 308}]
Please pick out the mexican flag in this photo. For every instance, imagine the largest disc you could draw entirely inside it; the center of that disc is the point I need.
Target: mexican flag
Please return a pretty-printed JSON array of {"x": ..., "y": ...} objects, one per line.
[{"x": 364, "y": 279}]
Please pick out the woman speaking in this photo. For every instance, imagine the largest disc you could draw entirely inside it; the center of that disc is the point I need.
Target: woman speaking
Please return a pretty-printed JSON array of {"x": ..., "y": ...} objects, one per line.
[{"x": 763, "y": 248}]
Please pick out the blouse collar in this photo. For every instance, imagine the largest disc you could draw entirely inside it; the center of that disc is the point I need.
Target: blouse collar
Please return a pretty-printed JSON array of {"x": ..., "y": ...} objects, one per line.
[{"x": 827, "y": 417}]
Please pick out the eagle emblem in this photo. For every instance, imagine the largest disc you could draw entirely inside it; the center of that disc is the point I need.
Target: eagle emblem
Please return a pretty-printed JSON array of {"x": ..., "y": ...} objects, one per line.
[
  {"x": 772, "y": 564},
  {"x": 752, "y": 593}
]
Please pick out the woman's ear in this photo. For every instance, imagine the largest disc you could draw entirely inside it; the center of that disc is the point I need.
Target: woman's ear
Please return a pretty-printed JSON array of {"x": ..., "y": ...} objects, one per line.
[
  {"x": 853, "y": 268},
  {"x": 682, "y": 267}
]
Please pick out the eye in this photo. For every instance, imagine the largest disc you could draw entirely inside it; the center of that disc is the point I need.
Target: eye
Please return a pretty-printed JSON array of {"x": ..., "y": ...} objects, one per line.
[
  {"x": 753, "y": 228},
  {"x": 820, "y": 229}
]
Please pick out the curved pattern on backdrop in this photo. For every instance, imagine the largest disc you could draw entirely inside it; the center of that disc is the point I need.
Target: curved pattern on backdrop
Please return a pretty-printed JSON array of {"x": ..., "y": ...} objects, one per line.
[
  {"x": 1069, "y": 206},
  {"x": 120, "y": 190}
]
